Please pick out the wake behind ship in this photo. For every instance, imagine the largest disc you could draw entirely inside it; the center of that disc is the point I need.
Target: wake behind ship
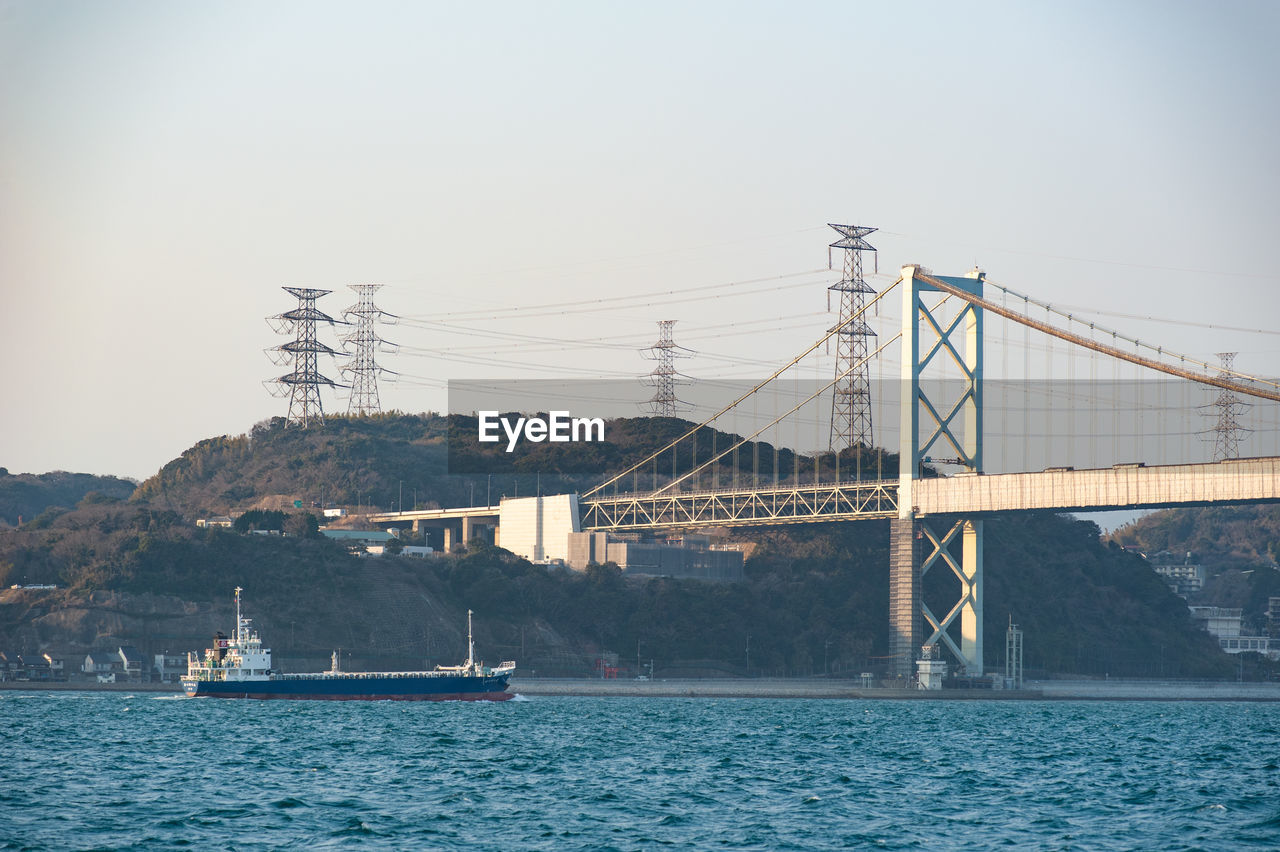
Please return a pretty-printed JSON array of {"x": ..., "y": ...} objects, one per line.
[{"x": 239, "y": 667}]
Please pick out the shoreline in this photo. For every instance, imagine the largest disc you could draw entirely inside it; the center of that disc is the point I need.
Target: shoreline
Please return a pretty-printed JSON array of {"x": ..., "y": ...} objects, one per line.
[
  {"x": 1050, "y": 690},
  {"x": 1064, "y": 690}
]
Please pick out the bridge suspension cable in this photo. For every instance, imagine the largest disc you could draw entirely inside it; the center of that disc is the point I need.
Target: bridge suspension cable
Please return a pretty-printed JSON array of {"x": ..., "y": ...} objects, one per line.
[
  {"x": 712, "y": 419},
  {"x": 794, "y": 408},
  {"x": 1115, "y": 335},
  {"x": 1115, "y": 352}
]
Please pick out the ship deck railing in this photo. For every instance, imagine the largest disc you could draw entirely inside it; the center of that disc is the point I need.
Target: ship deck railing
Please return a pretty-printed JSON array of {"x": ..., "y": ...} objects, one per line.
[{"x": 373, "y": 675}]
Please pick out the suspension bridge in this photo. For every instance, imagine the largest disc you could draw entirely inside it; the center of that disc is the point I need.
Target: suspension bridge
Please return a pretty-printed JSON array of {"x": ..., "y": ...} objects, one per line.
[{"x": 935, "y": 505}]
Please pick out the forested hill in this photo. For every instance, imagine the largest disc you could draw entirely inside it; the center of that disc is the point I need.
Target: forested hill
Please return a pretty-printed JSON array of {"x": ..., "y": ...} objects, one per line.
[
  {"x": 24, "y": 496},
  {"x": 1222, "y": 536},
  {"x": 391, "y": 459}
]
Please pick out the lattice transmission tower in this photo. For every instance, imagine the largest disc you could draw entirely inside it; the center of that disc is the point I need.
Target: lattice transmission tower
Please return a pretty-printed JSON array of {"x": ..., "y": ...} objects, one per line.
[
  {"x": 851, "y": 397},
  {"x": 302, "y": 383},
  {"x": 362, "y": 345},
  {"x": 665, "y": 376},
  {"x": 1228, "y": 433}
]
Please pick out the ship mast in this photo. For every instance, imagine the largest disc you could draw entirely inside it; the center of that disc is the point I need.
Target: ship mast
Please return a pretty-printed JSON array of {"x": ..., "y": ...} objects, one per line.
[
  {"x": 471, "y": 645},
  {"x": 238, "y": 621}
]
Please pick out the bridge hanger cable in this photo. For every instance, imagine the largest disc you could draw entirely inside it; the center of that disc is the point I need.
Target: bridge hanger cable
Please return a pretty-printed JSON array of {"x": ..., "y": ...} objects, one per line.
[
  {"x": 731, "y": 406},
  {"x": 767, "y": 426},
  {"x": 1115, "y": 335},
  {"x": 1115, "y": 352}
]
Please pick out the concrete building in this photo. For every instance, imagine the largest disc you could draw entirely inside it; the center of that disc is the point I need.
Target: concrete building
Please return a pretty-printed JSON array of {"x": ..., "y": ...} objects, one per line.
[
  {"x": 678, "y": 556},
  {"x": 538, "y": 528},
  {"x": 367, "y": 541},
  {"x": 1226, "y": 624},
  {"x": 1183, "y": 577},
  {"x": 168, "y": 668},
  {"x": 1223, "y": 622}
]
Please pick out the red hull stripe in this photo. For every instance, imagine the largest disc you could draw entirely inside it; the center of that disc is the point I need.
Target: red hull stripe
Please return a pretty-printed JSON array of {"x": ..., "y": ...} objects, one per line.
[{"x": 444, "y": 696}]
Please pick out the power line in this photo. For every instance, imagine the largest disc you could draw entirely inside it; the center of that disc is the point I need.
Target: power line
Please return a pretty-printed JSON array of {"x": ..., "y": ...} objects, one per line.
[{"x": 594, "y": 305}]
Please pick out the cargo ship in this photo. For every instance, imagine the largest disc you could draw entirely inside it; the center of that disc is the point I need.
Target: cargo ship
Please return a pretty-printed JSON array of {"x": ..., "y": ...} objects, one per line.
[{"x": 239, "y": 667}]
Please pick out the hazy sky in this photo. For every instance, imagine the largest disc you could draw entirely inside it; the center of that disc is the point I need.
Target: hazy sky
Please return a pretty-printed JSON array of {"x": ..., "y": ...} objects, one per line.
[{"x": 166, "y": 167}]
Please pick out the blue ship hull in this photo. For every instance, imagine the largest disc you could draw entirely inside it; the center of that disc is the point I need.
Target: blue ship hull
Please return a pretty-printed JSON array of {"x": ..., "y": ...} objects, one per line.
[{"x": 358, "y": 687}]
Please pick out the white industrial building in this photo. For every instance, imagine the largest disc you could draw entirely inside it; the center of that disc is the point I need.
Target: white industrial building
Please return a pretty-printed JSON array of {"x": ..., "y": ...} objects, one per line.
[
  {"x": 1226, "y": 624},
  {"x": 538, "y": 528}
]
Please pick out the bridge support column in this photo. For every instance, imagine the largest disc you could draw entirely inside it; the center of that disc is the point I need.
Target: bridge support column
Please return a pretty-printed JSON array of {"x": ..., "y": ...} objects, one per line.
[
  {"x": 971, "y": 597},
  {"x": 468, "y": 531},
  {"x": 904, "y": 596},
  {"x": 967, "y": 568},
  {"x": 448, "y": 539}
]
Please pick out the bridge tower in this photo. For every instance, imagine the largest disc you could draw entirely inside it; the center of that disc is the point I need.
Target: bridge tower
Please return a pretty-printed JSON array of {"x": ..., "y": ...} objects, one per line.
[{"x": 937, "y": 417}]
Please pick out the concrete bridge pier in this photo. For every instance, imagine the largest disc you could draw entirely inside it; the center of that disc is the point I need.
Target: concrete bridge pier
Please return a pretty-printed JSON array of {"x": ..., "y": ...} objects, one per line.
[
  {"x": 910, "y": 539},
  {"x": 904, "y": 596}
]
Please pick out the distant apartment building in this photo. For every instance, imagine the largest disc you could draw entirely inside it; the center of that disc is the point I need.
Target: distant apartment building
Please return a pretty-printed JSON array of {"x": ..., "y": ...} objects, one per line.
[
  {"x": 689, "y": 556},
  {"x": 1178, "y": 572}
]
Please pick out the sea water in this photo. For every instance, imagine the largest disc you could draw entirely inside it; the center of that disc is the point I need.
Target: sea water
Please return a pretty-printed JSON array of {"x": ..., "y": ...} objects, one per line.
[{"x": 118, "y": 771}]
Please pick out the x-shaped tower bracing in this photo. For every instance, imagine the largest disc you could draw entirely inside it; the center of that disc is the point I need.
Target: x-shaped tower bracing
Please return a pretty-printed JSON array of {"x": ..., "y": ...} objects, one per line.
[{"x": 927, "y": 335}]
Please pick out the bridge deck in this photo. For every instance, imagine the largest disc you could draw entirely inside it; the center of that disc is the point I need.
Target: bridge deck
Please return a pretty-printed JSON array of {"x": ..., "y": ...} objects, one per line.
[
  {"x": 1060, "y": 489},
  {"x": 744, "y": 507},
  {"x": 1120, "y": 487}
]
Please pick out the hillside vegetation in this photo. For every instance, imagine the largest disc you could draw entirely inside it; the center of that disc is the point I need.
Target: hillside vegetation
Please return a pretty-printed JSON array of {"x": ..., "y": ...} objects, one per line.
[
  {"x": 384, "y": 459},
  {"x": 1237, "y": 545},
  {"x": 1227, "y": 536},
  {"x": 24, "y": 496},
  {"x": 815, "y": 597}
]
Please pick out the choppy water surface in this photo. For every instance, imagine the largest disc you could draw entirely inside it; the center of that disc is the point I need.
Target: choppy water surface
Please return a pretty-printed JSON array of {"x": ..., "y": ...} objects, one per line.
[{"x": 112, "y": 771}]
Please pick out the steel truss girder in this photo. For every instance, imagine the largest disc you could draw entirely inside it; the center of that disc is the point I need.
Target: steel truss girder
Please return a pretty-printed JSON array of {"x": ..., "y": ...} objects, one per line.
[{"x": 848, "y": 501}]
